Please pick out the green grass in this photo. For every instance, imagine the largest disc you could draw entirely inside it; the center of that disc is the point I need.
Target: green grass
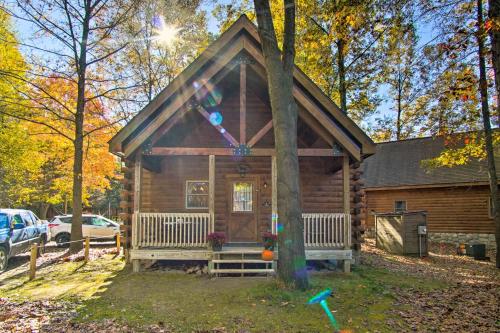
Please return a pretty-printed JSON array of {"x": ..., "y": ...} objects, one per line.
[{"x": 187, "y": 303}]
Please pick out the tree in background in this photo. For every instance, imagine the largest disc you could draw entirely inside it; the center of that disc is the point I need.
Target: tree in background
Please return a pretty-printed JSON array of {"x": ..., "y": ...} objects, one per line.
[
  {"x": 485, "y": 112},
  {"x": 401, "y": 75},
  {"x": 150, "y": 63},
  {"x": 72, "y": 41},
  {"x": 339, "y": 47},
  {"x": 461, "y": 48},
  {"x": 279, "y": 67}
]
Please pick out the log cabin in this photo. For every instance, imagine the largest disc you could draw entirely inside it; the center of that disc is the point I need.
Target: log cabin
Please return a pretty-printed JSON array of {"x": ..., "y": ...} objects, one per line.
[
  {"x": 456, "y": 199},
  {"x": 200, "y": 158}
]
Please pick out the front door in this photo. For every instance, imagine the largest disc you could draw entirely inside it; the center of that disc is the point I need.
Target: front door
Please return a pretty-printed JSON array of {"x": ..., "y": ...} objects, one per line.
[{"x": 242, "y": 208}]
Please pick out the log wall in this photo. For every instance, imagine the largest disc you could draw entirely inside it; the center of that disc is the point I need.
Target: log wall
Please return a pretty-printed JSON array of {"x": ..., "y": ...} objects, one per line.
[
  {"x": 165, "y": 191},
  {"x": 450, "y": 209}
]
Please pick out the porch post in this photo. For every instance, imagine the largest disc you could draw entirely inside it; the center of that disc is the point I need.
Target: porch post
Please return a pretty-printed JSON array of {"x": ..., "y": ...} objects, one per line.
[
  {"x": 347, "y": 208},
  {"x": 274, "y": 196},
  {"x": 211, "y": 191},
  {"x": 137, "y": 207}
]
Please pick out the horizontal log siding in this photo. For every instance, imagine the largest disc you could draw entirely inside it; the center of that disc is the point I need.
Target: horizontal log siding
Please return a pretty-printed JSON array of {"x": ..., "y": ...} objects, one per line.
[
  {"x": 321, "y": 192},
  {"x": 165, "y": 192},
  {"x": 450, "y": 209}
]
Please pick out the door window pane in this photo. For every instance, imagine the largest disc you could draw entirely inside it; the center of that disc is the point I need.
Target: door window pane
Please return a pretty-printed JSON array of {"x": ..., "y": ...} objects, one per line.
[{"x": 242, "y": 197}]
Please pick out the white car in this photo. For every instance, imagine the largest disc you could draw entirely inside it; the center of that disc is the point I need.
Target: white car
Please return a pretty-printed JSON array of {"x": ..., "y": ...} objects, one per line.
[{"x": 93, "y": 226}]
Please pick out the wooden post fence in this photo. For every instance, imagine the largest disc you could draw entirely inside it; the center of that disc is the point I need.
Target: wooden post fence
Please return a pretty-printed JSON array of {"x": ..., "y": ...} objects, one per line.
[
  {"x": 87, "y": 248},
  {"x": 34, "y": 248},
  {"x": 118, "y": 243}
]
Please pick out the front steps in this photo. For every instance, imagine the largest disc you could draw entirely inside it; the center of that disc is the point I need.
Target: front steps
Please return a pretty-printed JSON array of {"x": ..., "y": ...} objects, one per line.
[{"x": 240, "y": 262}]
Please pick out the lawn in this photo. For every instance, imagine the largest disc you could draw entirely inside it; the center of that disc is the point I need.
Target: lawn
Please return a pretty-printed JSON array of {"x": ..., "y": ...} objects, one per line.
[{"x": 105, "y": 294}]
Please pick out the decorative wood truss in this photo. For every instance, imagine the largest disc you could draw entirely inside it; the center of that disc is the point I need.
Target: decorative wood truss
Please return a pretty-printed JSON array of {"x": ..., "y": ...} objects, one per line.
[{"x": 237, "y": 48}]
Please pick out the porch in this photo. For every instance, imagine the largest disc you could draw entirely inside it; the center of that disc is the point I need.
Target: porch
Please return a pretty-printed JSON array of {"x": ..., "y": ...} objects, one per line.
[
  {"x": 178, "y": 203},
  {"x": 183, "y": 236}
]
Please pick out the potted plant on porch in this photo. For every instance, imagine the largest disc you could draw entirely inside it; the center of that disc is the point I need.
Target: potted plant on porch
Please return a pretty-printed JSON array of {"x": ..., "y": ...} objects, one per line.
[
  {"x": 216, "y": 240},
  {"x": 269, "y": 240}
]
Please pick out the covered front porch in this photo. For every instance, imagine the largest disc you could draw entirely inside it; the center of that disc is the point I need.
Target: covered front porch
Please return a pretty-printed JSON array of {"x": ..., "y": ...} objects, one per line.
[{"x": 175, "y": 226}]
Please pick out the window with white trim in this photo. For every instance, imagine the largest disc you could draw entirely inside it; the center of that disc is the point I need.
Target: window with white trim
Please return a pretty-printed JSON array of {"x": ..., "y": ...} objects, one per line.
[{"x": 196, "y": 194}]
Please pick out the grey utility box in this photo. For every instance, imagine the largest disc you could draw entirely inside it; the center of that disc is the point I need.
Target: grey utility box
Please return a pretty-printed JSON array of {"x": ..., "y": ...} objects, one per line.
[{"x": 402, "y": 232}]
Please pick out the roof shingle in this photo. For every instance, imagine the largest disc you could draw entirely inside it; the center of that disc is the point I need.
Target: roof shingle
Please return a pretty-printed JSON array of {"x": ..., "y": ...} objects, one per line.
[{"x": 398, "y": 163}]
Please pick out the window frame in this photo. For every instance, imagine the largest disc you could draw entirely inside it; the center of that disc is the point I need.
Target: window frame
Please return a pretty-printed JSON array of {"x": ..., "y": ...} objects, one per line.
[
  {"x": 398, "y": 210},
  {"x": 186, "y": 194},
  {"x": 252, "y": 197}
]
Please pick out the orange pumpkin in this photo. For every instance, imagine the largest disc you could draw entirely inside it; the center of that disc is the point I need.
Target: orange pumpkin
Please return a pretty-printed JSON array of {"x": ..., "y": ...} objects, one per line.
[{"x": 267, "y": 255}]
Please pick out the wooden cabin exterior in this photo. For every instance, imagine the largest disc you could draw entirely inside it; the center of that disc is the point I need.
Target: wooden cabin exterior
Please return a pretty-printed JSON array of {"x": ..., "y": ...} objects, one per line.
[
  {"x": 457, "y": 199},
  {"x": 200, "y": 158}
]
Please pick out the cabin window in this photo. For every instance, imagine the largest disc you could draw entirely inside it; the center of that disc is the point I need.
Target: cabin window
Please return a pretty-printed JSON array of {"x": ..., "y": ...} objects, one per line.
[
  {"x": 242, "y": 197},
  {"x": 196, "y": 194},
  {"x": 399, "y": 206}
]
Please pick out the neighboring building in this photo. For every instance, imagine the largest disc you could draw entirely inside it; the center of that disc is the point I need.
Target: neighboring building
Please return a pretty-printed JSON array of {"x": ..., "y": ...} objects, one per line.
[
  {"x": 200, "y": 158},
  {"x": 456, "y": 199}
]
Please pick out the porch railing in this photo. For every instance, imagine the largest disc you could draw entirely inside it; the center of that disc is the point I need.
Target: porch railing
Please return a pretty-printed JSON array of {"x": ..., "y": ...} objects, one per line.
[
  {"x": 327, "y": 229},
  {"x": 171, "y": 229},
  {"x": 324, "y": 229},
  {"x": 330, "y": 230}
]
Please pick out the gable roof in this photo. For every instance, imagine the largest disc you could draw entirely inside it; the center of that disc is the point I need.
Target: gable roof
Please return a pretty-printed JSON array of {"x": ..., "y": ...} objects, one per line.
[
  {"x": 212, "y": 63},
  {"x": 398, "y": 164}
]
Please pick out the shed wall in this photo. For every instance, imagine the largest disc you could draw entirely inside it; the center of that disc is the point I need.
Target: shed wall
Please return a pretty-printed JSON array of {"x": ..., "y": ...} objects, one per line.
[{"x": 449, "y": 209}]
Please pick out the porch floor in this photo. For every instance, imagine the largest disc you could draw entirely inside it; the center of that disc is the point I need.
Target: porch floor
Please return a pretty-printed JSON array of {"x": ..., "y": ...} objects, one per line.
[{"x": 203, "y": 253}]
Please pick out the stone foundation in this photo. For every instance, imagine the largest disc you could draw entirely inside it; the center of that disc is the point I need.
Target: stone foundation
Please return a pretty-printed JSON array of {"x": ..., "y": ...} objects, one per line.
[
  {"x": 457, "y": 238},
  {"x": 452, "y": 238}
]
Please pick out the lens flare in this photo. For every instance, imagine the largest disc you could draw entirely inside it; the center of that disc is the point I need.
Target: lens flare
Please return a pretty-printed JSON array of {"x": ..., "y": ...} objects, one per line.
[
  {"x": 216, "y": 118},
  {"x": 165, "y": 34}
]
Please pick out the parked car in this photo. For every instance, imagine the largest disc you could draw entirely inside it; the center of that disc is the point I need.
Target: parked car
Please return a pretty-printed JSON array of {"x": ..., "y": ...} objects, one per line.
[
  {"x": 94, "y": 226},
  {"x": 19, "y": 228}
]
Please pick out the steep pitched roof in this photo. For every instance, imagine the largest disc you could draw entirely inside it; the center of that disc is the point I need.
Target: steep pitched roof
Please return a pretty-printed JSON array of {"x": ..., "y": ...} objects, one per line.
[
  {"x": 241, "y": 36},
  {"x": 398, "y": 164}
]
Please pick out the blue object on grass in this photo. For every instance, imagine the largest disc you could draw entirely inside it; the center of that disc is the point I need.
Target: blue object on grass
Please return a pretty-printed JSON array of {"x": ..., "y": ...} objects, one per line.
[{"x": 321, "y": 299}]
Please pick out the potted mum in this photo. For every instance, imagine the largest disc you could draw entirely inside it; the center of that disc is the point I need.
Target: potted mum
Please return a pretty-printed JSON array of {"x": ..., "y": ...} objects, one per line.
[
  {"x": 216, "y": 240},
  {"x": 269, "y": 240}
]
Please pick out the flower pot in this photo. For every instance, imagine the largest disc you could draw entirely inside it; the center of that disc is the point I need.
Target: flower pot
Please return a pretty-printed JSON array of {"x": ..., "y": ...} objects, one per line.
[{"x": 216, "y": 247}]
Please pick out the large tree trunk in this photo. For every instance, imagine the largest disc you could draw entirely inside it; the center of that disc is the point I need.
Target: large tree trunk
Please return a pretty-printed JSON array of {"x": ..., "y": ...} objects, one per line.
[
  {"x": 341, "y": 69},
  {"x": 292, "y": 268},
  {"x": 483, "y": 87},
  {"x": 76, "y": 224},
  {"x": 494, "y": 17}
]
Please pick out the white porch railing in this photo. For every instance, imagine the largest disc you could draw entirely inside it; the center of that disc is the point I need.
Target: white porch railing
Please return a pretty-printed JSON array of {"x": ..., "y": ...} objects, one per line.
[
  {"x": 330, "y": 230},
  {"x": 325, "y": 229},
  {"x": 171, "y": 229}
]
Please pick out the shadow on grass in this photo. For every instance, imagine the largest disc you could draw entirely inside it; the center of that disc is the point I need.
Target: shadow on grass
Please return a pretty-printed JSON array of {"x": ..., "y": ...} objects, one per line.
[{"x": 190, "y": 303}]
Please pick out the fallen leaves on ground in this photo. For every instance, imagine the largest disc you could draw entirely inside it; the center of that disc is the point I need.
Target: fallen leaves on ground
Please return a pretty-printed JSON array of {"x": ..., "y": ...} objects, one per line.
[{"x": 469, "y": 303}]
